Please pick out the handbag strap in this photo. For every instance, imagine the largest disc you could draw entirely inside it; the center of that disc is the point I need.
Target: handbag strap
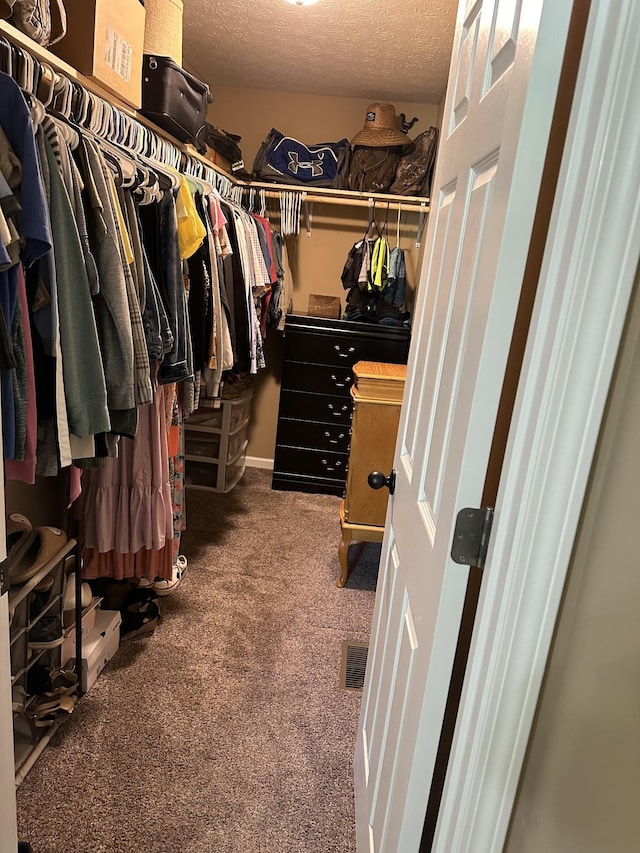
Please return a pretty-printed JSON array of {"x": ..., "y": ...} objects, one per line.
[{"x": 58, "y": 21}]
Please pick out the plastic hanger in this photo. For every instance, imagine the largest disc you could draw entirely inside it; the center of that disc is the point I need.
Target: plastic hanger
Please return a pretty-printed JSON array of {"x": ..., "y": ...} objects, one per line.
[
  {"x": 68, "y": 133},
  {"x": 46, "y": 84},
  {"x": 422, "y": 221},
  {"x": 36, "y": 109},
  {"x": 368, "y": 235},
  {"x": 6, "y": 56}
]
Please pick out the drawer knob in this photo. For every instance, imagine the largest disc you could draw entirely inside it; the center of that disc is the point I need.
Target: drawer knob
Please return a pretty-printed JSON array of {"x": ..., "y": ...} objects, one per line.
[
  {"x": 377, "y": 480},
  {"x": 343, "y": 354}
]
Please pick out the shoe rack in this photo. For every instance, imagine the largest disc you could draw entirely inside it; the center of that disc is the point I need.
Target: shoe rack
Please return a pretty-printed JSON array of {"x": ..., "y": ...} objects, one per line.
[{"x": 32, "y": 728}]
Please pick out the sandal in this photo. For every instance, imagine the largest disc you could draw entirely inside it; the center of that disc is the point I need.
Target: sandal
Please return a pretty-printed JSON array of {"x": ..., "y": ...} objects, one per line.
[
  {"x": 64, "y": 682},
  {"x": 44, "y": 710},
  {"x": 139, "y": 618}
]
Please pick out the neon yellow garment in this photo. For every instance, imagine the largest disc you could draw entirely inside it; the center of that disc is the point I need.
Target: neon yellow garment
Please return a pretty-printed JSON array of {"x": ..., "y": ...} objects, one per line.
[
  {"x": 191, "y": 231},
  {"x": 379, "y": 274}
]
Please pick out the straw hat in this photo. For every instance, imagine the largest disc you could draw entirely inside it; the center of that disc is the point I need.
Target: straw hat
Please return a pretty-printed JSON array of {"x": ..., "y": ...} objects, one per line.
[{"x": 380, "y": 128}]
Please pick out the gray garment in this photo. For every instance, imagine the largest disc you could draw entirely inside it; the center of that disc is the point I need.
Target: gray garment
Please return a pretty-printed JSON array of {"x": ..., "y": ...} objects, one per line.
[
  {"x": 396, "y": 288},
  {"x": 84, "y": 381},
  {"x": 44, "y": 164},
  {"x": 111, "y": 303},
  {"x": 83, "y": 233},
  {"x": 128, "y": 207},
  {"x": 47, "y": 462},
  {"x": 51, "y": 132},
  {"x": 142, "y": 374}
]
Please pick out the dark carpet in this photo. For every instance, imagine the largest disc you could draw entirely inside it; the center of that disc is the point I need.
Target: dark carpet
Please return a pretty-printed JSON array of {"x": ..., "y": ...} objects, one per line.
[{"x": 225, "y": 731}]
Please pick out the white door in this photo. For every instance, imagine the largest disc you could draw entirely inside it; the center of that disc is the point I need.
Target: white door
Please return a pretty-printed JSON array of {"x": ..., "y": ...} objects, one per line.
[
  {"x": 504, "y": 74},
  {"x": 8, "y": 820}
]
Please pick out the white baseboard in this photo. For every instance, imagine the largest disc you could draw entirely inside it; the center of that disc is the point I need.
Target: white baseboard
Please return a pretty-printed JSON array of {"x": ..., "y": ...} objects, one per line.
[{"x": 259, "y": 462}]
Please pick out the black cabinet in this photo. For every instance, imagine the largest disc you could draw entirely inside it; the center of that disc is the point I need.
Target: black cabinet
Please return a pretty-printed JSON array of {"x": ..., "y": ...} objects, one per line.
[{"x": 314, "y": 419}]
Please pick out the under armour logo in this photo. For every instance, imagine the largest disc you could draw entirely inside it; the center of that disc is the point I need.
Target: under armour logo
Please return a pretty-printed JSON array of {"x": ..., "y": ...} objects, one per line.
[{"x": 295, "y": 164}]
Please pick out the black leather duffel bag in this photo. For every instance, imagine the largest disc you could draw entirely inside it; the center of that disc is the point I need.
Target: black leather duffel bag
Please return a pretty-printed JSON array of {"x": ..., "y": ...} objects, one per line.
[{"x": 172, "y": 98}]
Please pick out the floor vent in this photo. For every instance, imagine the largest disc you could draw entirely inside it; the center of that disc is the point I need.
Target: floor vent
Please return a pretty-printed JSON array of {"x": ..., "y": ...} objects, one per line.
[{"x": 354, "y": 664}]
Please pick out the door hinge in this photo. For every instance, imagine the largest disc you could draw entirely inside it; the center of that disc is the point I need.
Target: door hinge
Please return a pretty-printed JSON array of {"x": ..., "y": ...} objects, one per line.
[{"x": 471, "y": 536}]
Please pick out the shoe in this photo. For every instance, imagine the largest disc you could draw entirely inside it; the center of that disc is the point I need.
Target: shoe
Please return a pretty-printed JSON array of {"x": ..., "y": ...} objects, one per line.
[
  {"x": 140, "y": 617},
  {"x": 164, "y": 587},
  {"x": 63, "y": 682},
  {"x": 18, "y": 697},
  {"x": 24, "y": 847},
  {"x": 28, "y": 554},
  {"x": 17, "y": 523},
  {"x": 44, "y": 709},
  {"x": 45, "y": 584},
  {"x": 19, "y": 530},
  {"x": 46, "y": 633},
  {"x": 69, "y": 595}
]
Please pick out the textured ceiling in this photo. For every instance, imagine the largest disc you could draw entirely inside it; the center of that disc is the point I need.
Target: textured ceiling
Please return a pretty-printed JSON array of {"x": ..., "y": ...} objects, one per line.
[{"x": 382, "y": 49}]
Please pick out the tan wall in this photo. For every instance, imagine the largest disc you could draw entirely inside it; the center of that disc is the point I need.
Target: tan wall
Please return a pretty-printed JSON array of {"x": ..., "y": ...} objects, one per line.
[
  {"x": 311, "y": 118},
  {"x": 580, "y": 787},
  {"x": 42, "y": 503},
  {"x": 317, "y": 260}
]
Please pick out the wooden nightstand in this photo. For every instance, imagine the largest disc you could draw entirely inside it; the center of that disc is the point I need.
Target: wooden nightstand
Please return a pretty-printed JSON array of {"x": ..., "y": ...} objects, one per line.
[{"x": 377, "y": 396}]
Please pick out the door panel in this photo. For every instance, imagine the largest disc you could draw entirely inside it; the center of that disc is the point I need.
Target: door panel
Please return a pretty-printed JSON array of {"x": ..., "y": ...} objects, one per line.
[
  {"x": 502, "y": 40},
  {"x": 497, "y": 119}
]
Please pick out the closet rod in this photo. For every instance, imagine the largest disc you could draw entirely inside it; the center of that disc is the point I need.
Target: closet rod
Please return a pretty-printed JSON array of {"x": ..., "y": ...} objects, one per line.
[{"x": 359, "y": 200}]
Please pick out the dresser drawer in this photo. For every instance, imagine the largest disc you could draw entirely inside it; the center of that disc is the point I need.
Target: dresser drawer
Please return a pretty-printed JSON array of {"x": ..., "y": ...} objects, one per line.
[
  {"x": 299, "y": 405},
  {"x": 311, "y": 463},
  {"x": 319, "y": 378},
  {"x": 344, "y": 350},
  {"x": 334, "y": 437}
]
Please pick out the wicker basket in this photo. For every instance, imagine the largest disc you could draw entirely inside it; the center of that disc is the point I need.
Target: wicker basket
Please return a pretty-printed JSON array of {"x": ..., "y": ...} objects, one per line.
[{"x": 163, "y": 28}]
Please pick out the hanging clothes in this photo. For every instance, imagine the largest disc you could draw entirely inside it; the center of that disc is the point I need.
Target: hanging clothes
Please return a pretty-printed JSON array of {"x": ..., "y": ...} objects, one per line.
[
  {"x": 124, "y": 292},
  {"x": 127, "y": 505}
]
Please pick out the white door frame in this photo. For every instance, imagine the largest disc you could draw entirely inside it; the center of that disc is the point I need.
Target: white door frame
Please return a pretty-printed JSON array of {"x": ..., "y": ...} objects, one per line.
[{"x": 590, "y": 263}]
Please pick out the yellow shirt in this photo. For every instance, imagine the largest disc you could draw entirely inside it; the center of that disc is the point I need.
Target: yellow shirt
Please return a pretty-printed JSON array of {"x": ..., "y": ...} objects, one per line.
[{"x": 191, "y": 231}]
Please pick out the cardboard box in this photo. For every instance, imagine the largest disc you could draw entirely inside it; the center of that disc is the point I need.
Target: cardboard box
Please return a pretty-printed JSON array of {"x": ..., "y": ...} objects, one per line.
[
  {"x": 101, "y": 645},
  {"x": 105, "y": 40},
  {"x": 324, "y": 306}
]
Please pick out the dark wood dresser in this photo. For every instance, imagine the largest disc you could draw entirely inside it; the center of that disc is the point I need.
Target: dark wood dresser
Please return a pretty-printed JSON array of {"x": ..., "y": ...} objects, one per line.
[{"x": 314, "y": 418}]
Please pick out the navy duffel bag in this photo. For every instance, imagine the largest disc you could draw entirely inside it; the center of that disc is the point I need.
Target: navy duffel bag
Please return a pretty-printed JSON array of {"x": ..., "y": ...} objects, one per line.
[{"x": 288, "y": 161}]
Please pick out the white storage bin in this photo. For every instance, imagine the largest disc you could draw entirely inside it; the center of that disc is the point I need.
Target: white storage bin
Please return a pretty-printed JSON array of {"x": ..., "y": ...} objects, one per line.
[{"x": 100, "y": 646}]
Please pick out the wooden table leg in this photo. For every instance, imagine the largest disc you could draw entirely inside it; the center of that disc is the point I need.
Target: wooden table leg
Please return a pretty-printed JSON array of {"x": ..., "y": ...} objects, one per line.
[{"x": 343, "y": 554}]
